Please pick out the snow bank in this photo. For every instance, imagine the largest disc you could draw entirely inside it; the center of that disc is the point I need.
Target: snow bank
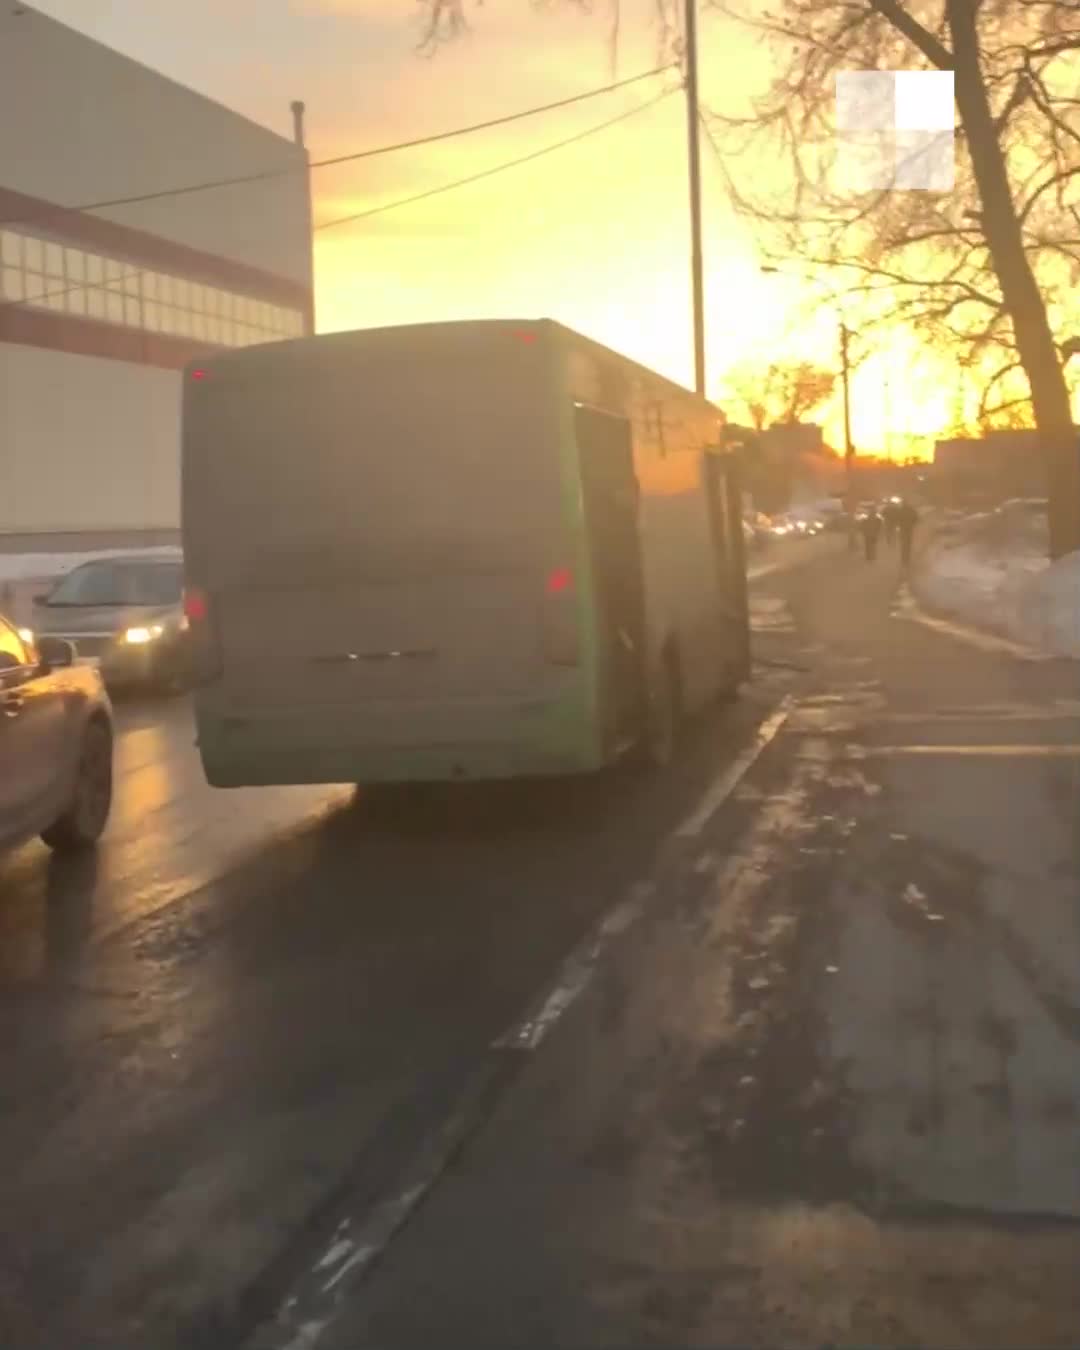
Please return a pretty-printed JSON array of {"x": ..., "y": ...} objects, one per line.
[
  {"x": 1011, "y": 590},
  {"x": 1048, "y": 608}
]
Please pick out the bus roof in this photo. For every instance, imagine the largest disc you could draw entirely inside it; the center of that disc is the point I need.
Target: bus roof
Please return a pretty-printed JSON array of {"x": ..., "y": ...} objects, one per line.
[{"x": 359, "y": 336}]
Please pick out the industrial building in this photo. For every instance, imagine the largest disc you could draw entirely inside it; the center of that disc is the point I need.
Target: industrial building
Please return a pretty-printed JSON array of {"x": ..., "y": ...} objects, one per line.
[
  {"x": 103, "y": 300},
  {"x": 984, "y": 471}
]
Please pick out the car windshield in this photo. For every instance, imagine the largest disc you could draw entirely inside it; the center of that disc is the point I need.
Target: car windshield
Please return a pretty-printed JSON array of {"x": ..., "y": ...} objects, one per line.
[{"x": 120, "y": 583}]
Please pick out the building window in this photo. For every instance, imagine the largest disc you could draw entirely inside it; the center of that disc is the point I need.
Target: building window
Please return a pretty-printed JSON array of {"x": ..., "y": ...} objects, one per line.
[
  {"x": 48, "y": 274},
  {"x": 54, "y": 261},
  {"x": 11, "y": 278},
  {"x": 11, "y": 249}
]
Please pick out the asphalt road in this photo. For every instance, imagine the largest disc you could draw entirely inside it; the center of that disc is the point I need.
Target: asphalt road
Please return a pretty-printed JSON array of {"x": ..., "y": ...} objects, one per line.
[
  {"x": 825, "y": 1090},
  {"x": 250, "y": 1007},
  {"x": 821, "y": 1088}
]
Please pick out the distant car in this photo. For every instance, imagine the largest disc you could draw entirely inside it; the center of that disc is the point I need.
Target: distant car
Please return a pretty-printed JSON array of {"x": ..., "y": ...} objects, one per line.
[
  {"x": 127, "y": 614},
  {"x": 800, "y": 524},
  {"x": 56, "y": 744}
]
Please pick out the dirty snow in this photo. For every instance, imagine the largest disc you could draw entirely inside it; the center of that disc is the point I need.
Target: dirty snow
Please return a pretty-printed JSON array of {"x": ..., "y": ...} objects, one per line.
[{"x": 992, "y": 571}]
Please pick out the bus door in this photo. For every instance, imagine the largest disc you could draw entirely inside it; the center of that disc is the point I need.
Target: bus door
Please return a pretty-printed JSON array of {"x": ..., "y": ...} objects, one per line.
[
  {"x": 611, "y": 495},
  {"x": 725, "y": 497}
]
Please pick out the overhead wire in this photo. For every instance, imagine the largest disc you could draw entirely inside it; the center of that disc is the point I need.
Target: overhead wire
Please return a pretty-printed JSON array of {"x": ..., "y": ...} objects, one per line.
[
  {"x": 416, "y": 197},
  {"x": 495, "y": 169},
  {"x": 207, "y": 185}
]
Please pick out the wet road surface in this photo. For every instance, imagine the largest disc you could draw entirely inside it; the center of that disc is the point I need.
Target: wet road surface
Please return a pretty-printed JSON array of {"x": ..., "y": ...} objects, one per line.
[
  {"x": 825, "y": 1091},
  {"x": 251, "y": 1007}
]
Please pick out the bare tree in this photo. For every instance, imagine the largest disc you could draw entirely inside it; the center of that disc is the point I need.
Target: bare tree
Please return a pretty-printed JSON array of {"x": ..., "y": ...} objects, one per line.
[
  {"x": 781, "y": 393},
  {"x": 986, "y": 271},
  {"x": 979, "y": 270}
]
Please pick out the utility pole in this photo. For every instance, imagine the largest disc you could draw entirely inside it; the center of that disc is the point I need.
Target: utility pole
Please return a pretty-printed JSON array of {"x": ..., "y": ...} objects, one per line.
[
  {"x": 697, "y": 279},
  {"x": 886, "y": 408},
  {"x": 849, "y": 449}
]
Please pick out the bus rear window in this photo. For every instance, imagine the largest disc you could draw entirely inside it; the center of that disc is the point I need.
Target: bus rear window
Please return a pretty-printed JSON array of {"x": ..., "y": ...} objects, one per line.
[{"x": 381, "y": 461}]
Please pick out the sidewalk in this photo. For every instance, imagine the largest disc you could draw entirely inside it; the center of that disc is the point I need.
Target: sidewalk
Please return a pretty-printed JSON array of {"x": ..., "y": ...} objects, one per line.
[{"x": 826, "y": 1090}]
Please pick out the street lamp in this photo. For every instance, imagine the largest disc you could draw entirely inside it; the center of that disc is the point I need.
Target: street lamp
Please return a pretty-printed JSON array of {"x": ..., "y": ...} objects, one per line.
[{"x": 845, "y": 370}]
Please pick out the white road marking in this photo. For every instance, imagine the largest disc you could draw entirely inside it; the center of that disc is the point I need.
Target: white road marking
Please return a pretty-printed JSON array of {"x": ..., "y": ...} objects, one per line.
[
  {"x": 1068, "y": 751},
  {"x": 908, "y": 608},
  {"x": 336, "y": 1252},
  {"x": 303, "y": 1317},
  {"x": 307, "y": 1335},
  {"x": 579, "y": 967},
  {"x": 575, "y": 973},
  {"x": 725, "y": 785},
  {"x": 992, "y": 713}
]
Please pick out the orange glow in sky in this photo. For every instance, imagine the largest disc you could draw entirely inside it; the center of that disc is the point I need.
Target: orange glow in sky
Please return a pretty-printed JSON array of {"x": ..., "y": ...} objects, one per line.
[{"x": 594, "y": 235}]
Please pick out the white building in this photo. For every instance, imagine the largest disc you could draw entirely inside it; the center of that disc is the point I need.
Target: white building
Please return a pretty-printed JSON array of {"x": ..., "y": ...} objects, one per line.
[{"x": 101, "y": 306}]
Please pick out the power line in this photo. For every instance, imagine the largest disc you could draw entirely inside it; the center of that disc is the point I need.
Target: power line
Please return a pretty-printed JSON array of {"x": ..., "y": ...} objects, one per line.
[
  {"x": 498, "y": 168},
  {"x": 208, "y": 185},
  {"x": 390, "y": 206}
]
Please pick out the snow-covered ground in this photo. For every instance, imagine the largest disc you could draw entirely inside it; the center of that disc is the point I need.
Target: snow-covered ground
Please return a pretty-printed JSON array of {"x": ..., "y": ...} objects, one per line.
[{"x": 991, "y": 570}]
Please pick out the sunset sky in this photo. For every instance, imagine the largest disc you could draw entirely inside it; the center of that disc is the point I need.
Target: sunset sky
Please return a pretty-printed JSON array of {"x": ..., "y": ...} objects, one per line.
[{"x": 594, "y": 235}]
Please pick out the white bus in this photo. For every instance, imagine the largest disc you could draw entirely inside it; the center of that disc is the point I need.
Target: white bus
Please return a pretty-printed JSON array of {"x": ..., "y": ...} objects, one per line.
[{"x": 452, "y": 551}]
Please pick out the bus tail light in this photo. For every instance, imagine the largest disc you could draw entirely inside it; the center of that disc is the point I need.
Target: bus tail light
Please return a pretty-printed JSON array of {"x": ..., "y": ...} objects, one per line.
[
  {"x": 206, "y": 665},
  {"x": 561, "y": 622},
  {"x": 196, "y": 606}
]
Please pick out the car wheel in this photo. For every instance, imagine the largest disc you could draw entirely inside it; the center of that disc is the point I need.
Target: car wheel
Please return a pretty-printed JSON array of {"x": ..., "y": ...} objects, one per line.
[{"x": 84, "y": 819}]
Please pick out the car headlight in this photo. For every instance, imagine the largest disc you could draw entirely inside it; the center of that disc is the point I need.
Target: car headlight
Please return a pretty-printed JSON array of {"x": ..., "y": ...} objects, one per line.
[
  {"x": 138, "y": 637},
  {"x": 27, "y": 635}
]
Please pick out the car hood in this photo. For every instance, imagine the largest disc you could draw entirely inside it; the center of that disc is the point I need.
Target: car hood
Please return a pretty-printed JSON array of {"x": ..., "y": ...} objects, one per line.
[{"x": 75, "y": 619}]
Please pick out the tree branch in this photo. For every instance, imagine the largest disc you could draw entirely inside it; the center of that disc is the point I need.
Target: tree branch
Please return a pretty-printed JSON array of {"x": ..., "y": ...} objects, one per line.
[{"x": 931, "y": 47}]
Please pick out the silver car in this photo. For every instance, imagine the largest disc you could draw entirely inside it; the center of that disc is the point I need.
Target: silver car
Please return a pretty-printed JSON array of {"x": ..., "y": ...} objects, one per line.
[
  {"x": 126, "y": 613},
  {"x": 56, "y": 744}
]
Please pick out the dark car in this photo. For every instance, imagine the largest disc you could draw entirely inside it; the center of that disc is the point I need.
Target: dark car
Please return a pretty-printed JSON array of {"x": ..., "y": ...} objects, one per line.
[
  {"x": 127, "y": 614},
  {"x": 56, "y": 743}
]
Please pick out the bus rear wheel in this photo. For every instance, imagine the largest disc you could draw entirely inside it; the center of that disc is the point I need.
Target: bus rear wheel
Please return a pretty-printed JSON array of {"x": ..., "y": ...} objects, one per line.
[{"x": 664, "y": 715}]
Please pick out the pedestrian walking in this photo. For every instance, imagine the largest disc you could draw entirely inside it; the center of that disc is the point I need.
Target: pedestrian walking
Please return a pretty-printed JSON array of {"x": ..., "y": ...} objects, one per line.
[
  {"x": 907, "y": 519},
  {"x": 891, "y": 520},
  {"x": 871, "y": 531}
]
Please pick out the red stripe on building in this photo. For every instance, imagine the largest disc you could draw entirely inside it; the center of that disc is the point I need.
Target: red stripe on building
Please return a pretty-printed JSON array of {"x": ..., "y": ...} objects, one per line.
[
  {"x": 81, "y": 229},
  {"x": 89, "y": 337}
]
